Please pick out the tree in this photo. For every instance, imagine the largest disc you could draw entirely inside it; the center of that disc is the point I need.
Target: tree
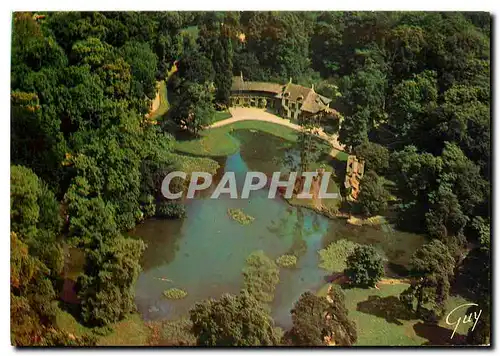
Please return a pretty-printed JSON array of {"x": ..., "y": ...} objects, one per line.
[
  {"x": 24, "y": 209},
  {"x": 143, "y": 64},
  {"x": 411, "y": 100},
  {"x": 365, "y": 266},
  {"x": 376, "y": 156},
  {"x": 416, "y": 175},
  {"x": 195, "y": 67},
  {"x": 194, "y": 110},
  {"x": 106, "y": 289},
  {"x": 363, "y": 97},
  {"x": 474, "y": 274},
  {"x": 280, "y": 41},
  {"x": 216, "y": 42},
  {"x": 233, "y": 321},
  {"x": 445, "y": 217},
  {"x": 319, "y": 321},
  {"x": 432, "y": 268},
  {"x": 373, "y": 196},
  {"x": 261, "y": 275},
  {"x": 36, "y": 218}
]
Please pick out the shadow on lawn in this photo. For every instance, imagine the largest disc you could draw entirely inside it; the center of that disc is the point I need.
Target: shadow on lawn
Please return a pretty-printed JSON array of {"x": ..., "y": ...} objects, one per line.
[
  {"x": 437, "y": 335},
  {"x": 390, "y": 308}
]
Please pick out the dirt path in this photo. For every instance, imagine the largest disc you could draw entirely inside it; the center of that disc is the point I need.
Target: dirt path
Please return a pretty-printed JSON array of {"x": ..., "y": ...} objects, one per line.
[
  {"x": 155, "y": 104},
  {"x": 244, "y": 114}
]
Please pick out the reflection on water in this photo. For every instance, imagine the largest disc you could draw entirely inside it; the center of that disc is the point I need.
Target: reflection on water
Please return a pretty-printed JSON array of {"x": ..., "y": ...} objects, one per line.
[{"x": 205, "y": 253}]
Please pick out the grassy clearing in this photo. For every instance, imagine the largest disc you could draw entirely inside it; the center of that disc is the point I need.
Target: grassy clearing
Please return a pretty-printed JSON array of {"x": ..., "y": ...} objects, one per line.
[
  {"x": 132, "y": 331},
  {"x": 164, "y": 104},
  {"x": 340, "y": 155},
  {"x": 221, "y": 115},
  {"x": 214, "y": 144},
  {"x": 218, "y": 142},
  {"x": 177, "y": 333},
  {"x": 67, "y": 322},
  {"x": 382, "y": 320}
]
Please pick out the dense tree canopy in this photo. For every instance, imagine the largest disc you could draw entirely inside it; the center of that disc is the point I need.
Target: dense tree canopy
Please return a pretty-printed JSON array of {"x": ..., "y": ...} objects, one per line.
[
  {"x": 233, "y": 321},
  {"x": 365, "y": 266},
  {"x": 319, "y": 321},
  {"x": 413, "y": 88},
  {"x": 432, "y": 266}
]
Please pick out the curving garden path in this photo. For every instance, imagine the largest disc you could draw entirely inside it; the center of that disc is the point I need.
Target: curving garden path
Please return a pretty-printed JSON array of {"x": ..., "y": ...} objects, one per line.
[{"x": 255, "y": 114}]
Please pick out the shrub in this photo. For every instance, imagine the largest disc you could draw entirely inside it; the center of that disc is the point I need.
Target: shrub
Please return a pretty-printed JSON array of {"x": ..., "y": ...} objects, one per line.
[
  {"x": 334, "y": 256},
  {"x": 178, "y": 333},
  {"x": 175, "y": 293},
  {"x": 287, "y": 261},
  {"x": 171, "y": 210},
  {"x": 365, "y": 266}
]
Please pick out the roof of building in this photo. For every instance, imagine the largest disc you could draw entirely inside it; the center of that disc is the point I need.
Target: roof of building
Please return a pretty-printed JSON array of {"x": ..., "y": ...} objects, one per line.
[
  {"x": 241, "y": 85},
  {"x": 311, "y": 101}
]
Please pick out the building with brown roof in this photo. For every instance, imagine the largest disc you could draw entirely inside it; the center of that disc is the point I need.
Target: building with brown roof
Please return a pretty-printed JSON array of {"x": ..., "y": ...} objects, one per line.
[{"x": 289, "y": 100}]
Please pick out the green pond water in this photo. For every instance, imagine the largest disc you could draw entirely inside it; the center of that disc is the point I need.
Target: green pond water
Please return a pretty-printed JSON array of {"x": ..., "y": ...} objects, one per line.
[{"x": 205, "y": 253}]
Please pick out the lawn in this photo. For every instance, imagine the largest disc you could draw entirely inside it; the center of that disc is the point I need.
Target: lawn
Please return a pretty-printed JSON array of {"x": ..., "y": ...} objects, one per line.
[
  {"x": 221, "y": 115},
  {"x": 131, "y": 331},
  {"x": 340, "y": 155},
  {"x": 382, "y": 320},
  {"x": 218, "y": 142}
]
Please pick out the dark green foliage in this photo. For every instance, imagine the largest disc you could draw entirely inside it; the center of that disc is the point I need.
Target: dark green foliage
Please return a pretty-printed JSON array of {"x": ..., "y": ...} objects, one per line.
[
  {"x": 376, "y": 156},
  {"x": 233, "y": 321},
  {"x": 107, "y": 287},
  {"x": 416, "y": 83},
  {"x": 373, "y": 196},
  {"x": 279, "y": 41},
  {"x": 143, "y": 64},
  {"x": 216, "y": 41},
  {"x": 365, "y": 266},
  {"x": 171, "y": 210},
  {"x": 194, "y": 109},
  {"x": 319, "y": 320},
  {"x": 81, "y": 83},
  {"x": 432, "y": 268}
]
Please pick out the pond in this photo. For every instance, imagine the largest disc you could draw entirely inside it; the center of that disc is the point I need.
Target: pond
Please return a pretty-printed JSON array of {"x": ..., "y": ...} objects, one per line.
[{"x": 205, "y": 253}]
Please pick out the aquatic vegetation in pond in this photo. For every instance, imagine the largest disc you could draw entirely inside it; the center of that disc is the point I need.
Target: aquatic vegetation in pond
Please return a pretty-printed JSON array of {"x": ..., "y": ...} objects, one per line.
[
  {"x": 240, "y": 216},
  {"x": 286, "y": 261},
  {"x": 175, "y": 293},
  {"x": 261, "y": 275},
  {"x": 333, "y": 258}
]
